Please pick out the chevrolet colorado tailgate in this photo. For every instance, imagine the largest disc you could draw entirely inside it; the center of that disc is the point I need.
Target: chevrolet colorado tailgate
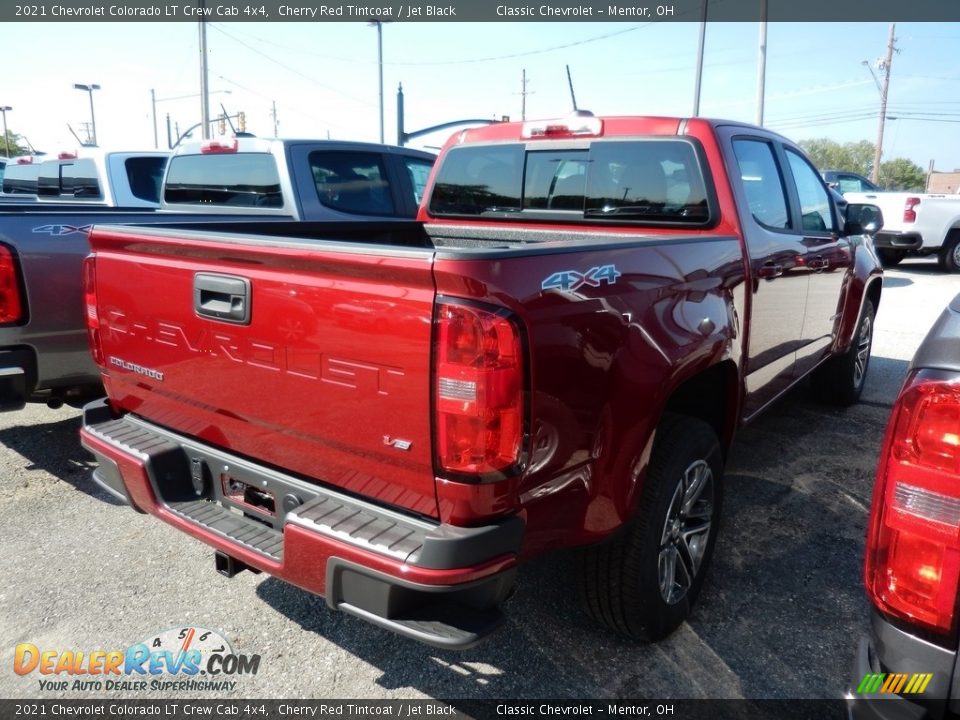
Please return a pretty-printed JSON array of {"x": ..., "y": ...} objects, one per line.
[{"x": 312, "y": 358}]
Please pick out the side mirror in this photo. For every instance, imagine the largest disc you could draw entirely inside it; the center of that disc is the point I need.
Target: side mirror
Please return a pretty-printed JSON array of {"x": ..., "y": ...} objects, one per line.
[{"x": 862, "y": 219}]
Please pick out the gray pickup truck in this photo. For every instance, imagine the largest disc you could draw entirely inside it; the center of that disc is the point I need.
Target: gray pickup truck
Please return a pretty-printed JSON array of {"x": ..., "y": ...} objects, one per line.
[{"x": 44, "y": 353}]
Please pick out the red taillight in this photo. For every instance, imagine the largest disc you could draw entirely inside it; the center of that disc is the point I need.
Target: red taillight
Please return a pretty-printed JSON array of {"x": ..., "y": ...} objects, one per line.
[
  {"x": 11, "y": 308},
  {"x": 214, "y": 147},
  {"x": 479, "y": 392},
  {"x": 909, "y": 209},
  {"x": 90, "y": 308},
  {"x": 913, "y": 543}
]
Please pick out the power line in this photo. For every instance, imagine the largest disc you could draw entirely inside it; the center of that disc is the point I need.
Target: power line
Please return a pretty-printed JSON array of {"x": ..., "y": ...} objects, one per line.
[{"x": 290, "y": 69}]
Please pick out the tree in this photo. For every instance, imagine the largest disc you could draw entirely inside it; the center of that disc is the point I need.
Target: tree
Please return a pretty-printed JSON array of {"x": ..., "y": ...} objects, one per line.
[
  {"x": 902, "y": 174},
  {"x": 828, "y": 154},
  {"x": 14, "y": 145}
]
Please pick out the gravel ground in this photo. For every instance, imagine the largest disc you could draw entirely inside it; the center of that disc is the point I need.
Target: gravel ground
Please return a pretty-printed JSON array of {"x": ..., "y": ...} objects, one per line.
[{"x": 778, "y": 618}]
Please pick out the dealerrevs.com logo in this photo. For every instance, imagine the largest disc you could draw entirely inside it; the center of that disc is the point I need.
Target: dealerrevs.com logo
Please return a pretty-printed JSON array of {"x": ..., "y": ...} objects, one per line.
[{"x": 184, "y": 658}]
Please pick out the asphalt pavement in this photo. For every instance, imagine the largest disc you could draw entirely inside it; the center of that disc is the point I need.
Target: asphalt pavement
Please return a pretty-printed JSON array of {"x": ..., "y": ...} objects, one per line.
[{"x": 779, "y": 616}]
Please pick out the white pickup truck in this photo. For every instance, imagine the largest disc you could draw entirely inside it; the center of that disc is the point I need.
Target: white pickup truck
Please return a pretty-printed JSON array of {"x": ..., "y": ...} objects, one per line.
[
  {"x": 129, "y": 179},
  {"x": 915, "y": 223}
]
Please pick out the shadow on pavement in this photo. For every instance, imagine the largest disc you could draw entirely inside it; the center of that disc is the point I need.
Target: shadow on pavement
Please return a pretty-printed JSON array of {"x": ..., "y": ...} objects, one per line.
[
  {"x": 55, "y": 447},
  {"x": 774, "y": 619}
]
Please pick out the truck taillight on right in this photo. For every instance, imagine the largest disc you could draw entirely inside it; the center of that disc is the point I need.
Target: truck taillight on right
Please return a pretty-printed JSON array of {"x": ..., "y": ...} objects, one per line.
[
  {"x": 910, "y": 209},
  {"x": 913, "y": 542},
  {"x": 479, "y": 406},
  {"x": 90, "y": 308},
  {"x": 11, "y": 306}
]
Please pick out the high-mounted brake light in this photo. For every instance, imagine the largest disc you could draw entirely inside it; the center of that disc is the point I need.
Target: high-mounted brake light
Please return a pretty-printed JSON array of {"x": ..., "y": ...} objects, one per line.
[
  {"x": 580, "y": 124},
  {"x": 479, "y": 392},
  {"x": 25, "y": 160},
  {"x": 913, "y": 543},
  {"x": 909, "y": 209},
  {"x": 211, "y": 147},
  {"x": 66, "y": 156},
  {"x": 11, "y": 309},
  {"x": 90, "y": 307}
]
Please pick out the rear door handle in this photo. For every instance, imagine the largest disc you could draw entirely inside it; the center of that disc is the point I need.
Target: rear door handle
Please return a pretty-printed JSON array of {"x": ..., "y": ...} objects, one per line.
[
  {"x": 770, "y": 270},
  {"x": 222, "y": 297}
]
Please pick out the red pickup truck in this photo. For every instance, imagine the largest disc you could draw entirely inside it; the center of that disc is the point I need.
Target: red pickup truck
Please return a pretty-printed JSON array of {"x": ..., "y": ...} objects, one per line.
[{"x": 556, "y": 355}]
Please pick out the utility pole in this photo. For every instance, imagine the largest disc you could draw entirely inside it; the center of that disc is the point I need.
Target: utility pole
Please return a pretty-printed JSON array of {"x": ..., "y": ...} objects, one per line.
[
  {"x": 204, "y": 99},
  {"x": 883, "y": 104},
  {"x": 273, "y": 113},
  {"x": 153, "y": 104},
  {"x": 523, "y": 95},
  {"x": 762, "y": 71},
  {"x": 699, "y": 79}
]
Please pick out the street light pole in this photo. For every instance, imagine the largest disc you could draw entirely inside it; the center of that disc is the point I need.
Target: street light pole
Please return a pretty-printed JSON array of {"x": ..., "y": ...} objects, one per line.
[
  {"x": 93, "y": 121},
  {"x": 6, "y": 137},
  {"x": 379, "y": 24}
]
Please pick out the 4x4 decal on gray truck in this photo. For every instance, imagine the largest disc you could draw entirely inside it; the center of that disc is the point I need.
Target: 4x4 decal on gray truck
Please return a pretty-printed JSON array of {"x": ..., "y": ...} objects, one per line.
[{"x": 58, "y": 230}]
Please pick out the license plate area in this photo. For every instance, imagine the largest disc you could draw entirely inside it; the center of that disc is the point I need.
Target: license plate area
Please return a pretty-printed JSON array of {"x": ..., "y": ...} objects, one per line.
[
  {"x": 245, "y": 490},
  {"x": 247, "y": 496}
]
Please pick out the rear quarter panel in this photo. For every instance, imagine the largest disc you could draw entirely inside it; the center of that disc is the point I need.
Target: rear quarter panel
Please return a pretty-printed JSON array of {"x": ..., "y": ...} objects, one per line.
[{"x": 604, "y": 361}]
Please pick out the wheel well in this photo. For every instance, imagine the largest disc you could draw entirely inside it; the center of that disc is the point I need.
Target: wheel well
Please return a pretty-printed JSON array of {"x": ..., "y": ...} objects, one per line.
[
  {"x": 710, "y": 396},
  {"x": 873, "y": 294}
]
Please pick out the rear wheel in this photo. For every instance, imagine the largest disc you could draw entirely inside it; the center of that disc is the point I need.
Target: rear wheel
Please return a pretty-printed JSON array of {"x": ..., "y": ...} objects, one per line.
[
  {"x": 890, "y": 257},
  {"x": 644, "y": 581},
  {"x": 840, "y": 379},
  {"x": 950, "y": 252}
]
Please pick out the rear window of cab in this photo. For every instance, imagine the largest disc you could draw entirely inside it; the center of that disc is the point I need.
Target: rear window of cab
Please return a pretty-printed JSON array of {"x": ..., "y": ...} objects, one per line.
[
  {"x": 640, "y": 182},
  {"x": 228, "y": 179}
]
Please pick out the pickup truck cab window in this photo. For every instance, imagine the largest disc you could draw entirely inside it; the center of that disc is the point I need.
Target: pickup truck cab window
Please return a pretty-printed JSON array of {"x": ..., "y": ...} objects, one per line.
[
  {"x": 640, "y": 181},
  {"x": 354, "y": 182},
  {"x": 419, "y": 173},
  {"x": 21, "y": 178},
  {"x": 815, "y": 213},
  {"x": 479, "y": 179},
  {"x": 145, "y": 175},
  {"x": 762, "y": 183},
  {"x": 230, "y": 179}
]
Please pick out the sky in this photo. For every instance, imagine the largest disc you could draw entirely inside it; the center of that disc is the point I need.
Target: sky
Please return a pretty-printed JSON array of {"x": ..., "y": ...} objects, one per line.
[{"x": 323, "y": 78}]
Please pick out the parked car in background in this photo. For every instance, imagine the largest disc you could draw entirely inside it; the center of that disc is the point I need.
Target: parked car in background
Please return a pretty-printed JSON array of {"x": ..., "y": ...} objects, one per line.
[
  {"x": 300, "y": 179},
  {"x": 906, "y": 667},
  {"x": 128, "y": 179},
  {"x": 916, "y": 224},
  {"x": 844, "y": 182},
  {"x": 44, "y": 354}
]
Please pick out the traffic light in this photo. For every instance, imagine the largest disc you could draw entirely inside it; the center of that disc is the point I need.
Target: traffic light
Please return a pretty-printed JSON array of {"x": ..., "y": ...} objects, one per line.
[
  {"x": 222, "y": 124},
  {"x": 242, "y": 121}
]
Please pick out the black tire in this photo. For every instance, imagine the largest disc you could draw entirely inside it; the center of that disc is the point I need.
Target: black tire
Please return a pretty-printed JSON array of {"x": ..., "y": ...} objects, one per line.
[
  {"x": 950, "y": 253},
  {"x": 643, "y": 582},
  {"x": 840, "y": 380},
  {"x": 890, "y": 257}
]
